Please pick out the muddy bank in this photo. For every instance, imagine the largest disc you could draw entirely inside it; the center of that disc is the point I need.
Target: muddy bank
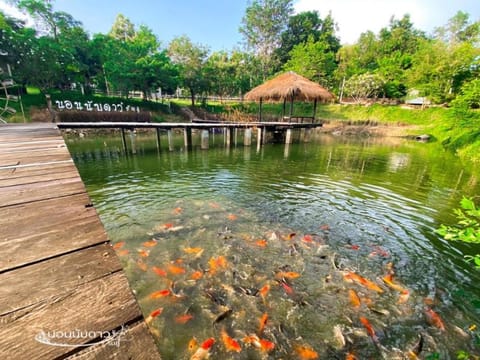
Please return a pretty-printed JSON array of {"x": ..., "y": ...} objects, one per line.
[{"x": 369, "y": 128}]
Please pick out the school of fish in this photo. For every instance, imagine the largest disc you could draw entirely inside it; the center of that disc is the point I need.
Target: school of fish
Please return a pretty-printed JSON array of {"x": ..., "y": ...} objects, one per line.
[{"x": 212, "y": 285}]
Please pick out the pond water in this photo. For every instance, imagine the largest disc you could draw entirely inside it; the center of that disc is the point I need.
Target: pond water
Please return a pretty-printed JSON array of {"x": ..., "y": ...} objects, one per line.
[{"x": 323, "y": 249}]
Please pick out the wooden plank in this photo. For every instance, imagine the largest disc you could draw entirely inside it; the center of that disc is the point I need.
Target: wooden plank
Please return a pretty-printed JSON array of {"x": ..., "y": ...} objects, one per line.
[
  {"x": 101, "y": 305},
  {"x": 135, "y": 343},
  {"x": 55, "y": 276},
  {"x": 43, "y": 190},
  {"x": 24, "y": 158},
  {"x": 30, "y": 174}
]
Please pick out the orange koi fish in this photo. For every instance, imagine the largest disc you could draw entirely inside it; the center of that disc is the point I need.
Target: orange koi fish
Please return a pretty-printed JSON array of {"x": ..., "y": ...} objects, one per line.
[
  {"x": 354, "y": 247},
  {"x": 159, "y": 272},
  {"x": 193, "y": 250},
  {"x": 288, "y": 289},
  {"x": 143, "y": 253},
  {"x": 175, "y": 270},
  {"x": 388, "y": 279},
  {"x": 232, "y": 217},
  {"x": 168, "y": 226},
  {"x": 434, "y": 319},
  {"x": 307, "y": 238},
  {"x": 142, "y": 265},
  {"x": 122, "y": 252},
  {"x": 196, "y": 275},
  {"x": 264, "y": 291},
  {"x": 159, "y": 294},
  {"x": 266, "y": 345},
  {"x": 305, "y": 352},
  {"x": 262, "y": 322},
  {"x": 287, "y": 275},
  {"x": 229, "y": 343},
  {"x": 350, "y": 356},
  {"x": 354, "y": 299},
  {"x": 261, "y": 242},
  {"x": 403, "y": 298},
  {"x": 289, "y": 236},
  {"x": 119, "y": 245},
  {"x": 204, "y": 350},
  {"x": 153, "y": 315},
  {"x": 183, "y": 319},
  {"x": 177, "y": 210},
  {"x": 150, "y": 243},
  {"x": 192, "y": 345},
  {"x": 217, "y": 263},
  {"x": 353, "y": 277},
  {"x": 366, "y": 324}
]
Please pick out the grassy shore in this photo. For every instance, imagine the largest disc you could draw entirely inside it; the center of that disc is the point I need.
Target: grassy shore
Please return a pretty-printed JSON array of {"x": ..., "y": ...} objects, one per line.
[{"x": 457, "y": 131}]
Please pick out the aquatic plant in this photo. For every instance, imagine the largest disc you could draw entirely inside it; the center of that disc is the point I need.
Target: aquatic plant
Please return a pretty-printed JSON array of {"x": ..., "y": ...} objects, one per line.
[{"x": 467, "y": 228}]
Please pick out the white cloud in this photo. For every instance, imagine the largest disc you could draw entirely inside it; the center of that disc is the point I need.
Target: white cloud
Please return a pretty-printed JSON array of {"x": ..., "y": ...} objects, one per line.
[
  {"x": 354, "y": 17},
  {"x": 15, "y": 13}
]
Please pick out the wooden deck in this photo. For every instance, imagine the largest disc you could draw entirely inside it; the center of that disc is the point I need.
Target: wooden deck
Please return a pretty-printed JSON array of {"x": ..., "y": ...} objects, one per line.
[{"x": 58, "y": 272}]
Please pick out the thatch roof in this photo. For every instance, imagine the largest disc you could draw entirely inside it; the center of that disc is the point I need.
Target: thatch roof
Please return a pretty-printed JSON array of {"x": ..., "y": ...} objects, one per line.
[{"x": 286, "y": 85}]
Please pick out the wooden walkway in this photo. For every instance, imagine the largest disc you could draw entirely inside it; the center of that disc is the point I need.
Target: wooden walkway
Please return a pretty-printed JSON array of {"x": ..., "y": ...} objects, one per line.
[{"x": 62, "y": 288}]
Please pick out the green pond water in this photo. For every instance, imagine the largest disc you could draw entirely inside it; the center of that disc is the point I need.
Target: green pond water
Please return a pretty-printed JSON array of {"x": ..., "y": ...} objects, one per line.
[{"x": 217, "y": 239}]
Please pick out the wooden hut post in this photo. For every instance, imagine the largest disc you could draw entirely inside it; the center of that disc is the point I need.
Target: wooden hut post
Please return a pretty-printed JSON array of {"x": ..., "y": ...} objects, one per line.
[
  {"x": 260, "y": 110},
  {"x": 158, "y": 139},
  {"x": 314, "y": 110},
  {"x": 284, "y": 108},
  {"x": 291, "y": 105},
  {"x": 204, "y": 140},
  {"x": 124, "y": 142},
  {"x": 170, "y": 140}
]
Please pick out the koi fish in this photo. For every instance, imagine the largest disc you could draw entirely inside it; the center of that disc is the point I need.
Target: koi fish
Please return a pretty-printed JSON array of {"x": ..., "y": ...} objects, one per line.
[
  {"x": 354, "y": 299},
  {"x": 192, "y": 344},
  {"x": 305, "y": 352},
  {"x": 261, "y": 242},
  {"x": 175, "y": 270},
  {"x": 388, "y": 280},
  {"x": 168, "y": 226},
  {"x": 354, "y": 247},
  {"x": 434, "y": 319},
  {"x": 159, "y": 272},
  {"x": 183, "y": 319},
  {"x": 142, "y": 265},
  {"x": 289, "y": 236},
  {"x": 288, "y": 289},
  {"x": 307, "y": 238},
  {"x": 159, "y": 294},
  {"x": 403, "y": 298},
  {"x": 229, "y": 343},
  {"x": 122, "y": 252},
  {"x": 150, "y": 243},
  {"x": 143, "y": 253},
  {"x": 214, "y": 205},
  {"x": 193, "y": 250},
  {"x": 118, "y": 245},
  {"x": 287, "y": 275},
  {"x": 232, "y": 217},
  {"x": 216, "y": 263},
  {"x": 366, "y": 324},
  {"x": 262, "y": 322},
  {"x": 350, "y": 356},
  {"x": 177, "y": 210},
  {"x": 153, "y": 315},
  {"x": 264, "y": 291},
  {"x": 204, "y": 350},
  {"x": 196, "y": 275},
  {"x": 351, "y": 276},
  {"x": 266, "y": 345}
]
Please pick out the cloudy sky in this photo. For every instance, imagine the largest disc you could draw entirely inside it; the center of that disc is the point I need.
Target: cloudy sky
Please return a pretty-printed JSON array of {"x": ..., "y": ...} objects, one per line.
[{"x": 216, "y": 22}]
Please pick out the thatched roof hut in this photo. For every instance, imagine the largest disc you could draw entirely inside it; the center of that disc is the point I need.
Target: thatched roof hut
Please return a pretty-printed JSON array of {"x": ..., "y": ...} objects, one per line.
[{"x": 289, "y": 86}]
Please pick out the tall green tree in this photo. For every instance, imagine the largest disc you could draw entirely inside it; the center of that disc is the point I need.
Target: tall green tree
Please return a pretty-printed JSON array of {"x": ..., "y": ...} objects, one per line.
[
  {"x": 122, "y": 29},
  {"x": 191, "y": 60},
  {"x": 314, "y": 61},
  {"x": 262, "y": 26}
]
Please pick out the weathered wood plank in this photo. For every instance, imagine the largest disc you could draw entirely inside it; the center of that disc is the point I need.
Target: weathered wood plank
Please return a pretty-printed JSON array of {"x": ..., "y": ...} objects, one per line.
[
  {"x": 23, "y": 158},
  {"x": 55, "y": 276},
  {"x": 135, "y": 343},
  {"x": 101, "y": 305},
  {"x": 43, "y": 190},
  {"x": 12, "y": 177}
]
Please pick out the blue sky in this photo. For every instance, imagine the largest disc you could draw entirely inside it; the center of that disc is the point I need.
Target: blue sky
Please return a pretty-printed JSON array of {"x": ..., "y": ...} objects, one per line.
[{"x": 215, "y": 23}]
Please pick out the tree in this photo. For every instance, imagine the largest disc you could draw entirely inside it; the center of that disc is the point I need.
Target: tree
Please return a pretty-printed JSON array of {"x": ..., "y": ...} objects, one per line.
[
  {"x": 262, "y": 26},
  {"x": 314, "y": 61},
  {"x": 459, "y": 29},
  {"x": 48, "y": 21},
  {"x": 364, "y": 86},
  {"x": 190, "y": 58},
  {"x": 122, "y": 29}
]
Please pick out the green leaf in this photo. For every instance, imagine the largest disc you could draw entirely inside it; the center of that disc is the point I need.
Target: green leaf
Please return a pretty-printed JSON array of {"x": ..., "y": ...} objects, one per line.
[{"x": 467, "y": 204}]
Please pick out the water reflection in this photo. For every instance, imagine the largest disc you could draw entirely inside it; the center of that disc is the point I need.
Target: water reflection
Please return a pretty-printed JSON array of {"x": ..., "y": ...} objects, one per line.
[{"x": 376, "y": 198}]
